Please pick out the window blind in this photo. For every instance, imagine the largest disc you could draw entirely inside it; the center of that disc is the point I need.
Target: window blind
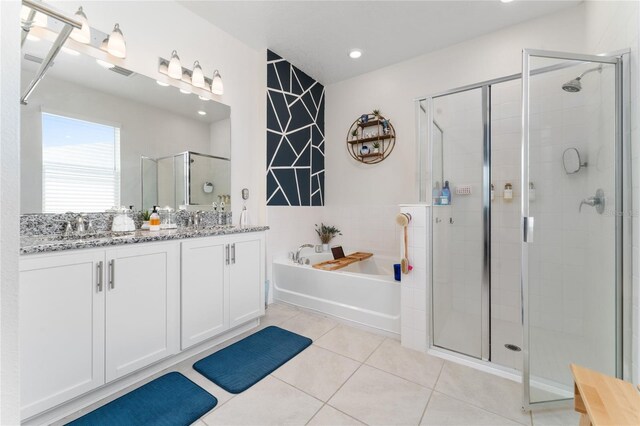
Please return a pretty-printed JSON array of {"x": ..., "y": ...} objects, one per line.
[{"x": 80, "y": 165}]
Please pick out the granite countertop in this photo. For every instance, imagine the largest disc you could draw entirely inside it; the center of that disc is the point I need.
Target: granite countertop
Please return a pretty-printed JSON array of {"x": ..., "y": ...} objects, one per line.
[{"x": 56, "y": 242}]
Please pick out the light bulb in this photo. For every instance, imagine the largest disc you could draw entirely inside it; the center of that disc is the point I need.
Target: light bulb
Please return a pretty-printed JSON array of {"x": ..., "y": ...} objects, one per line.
[
  {"x": 82, "y": 34},
  {"x": 175, "y": 67},
  {"x": 116, "y": 45},
  {"x": 197, "y": 77},
  {"x": 217, "y": 88}
]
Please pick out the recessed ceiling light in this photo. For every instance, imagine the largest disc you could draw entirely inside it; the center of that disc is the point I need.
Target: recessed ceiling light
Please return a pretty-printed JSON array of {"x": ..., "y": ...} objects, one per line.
[
  {"x": 70, "y": 51},
  {"x": 506, "y": 1},
  {"x": 202, "y": 112},
  {"x": 355, "y": 53},
  {"x": 202, "y": 98},
  {"x": 104, "y": 64},
  {"x": 186, "y": 92},
  {"x": 162, "y": 83}
]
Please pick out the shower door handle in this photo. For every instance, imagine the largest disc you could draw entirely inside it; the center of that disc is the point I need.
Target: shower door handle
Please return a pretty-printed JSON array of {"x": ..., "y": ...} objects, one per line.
[{"x": 527, "y": 229}]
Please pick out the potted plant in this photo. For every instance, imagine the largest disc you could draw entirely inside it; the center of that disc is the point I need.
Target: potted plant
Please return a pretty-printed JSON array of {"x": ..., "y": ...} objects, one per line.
[
  {"x": 326, "y": 234},
  {"x": 145, "y": 219},
  {"x": 376, "y": 147},
  {"x": 354, "y": 133},
  {"x": 376, "y": 113}
]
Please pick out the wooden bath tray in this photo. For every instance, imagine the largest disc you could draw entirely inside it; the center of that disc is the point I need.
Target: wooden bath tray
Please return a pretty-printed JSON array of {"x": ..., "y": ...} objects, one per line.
[{"x": 332, "y": 265}]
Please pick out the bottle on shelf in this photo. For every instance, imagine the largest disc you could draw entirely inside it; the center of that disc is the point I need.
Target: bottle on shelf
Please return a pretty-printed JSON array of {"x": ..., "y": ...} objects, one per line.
[{"x": 445, "y": 197}]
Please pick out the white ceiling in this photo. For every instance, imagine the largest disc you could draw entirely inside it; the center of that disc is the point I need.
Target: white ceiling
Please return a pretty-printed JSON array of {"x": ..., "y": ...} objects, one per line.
[{"x": 316, "y": 36}]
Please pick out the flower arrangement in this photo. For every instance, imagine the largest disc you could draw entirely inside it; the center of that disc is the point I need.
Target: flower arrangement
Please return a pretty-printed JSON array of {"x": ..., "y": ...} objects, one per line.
[{"x": 326, "y": 232}]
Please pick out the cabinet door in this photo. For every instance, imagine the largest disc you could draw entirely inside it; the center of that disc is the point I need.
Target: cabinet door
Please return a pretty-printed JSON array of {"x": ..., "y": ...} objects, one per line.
[
  {"x": 142, "y": 322},
  {"x": 203, "y": 289},
  {"x": 246, "y": 278},
  {"x": 61, "y": 328}
]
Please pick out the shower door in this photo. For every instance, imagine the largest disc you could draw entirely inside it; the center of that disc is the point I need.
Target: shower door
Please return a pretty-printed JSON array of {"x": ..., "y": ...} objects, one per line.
[
  {"x": 459, "y": 131},
  {"x": 571, "y": 219}
]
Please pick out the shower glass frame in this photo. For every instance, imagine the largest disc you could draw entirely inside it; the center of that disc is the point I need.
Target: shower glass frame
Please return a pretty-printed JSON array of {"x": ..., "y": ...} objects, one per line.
[
  {"x": 622, "y": 205},
  {"x": 623, "y": 180}
]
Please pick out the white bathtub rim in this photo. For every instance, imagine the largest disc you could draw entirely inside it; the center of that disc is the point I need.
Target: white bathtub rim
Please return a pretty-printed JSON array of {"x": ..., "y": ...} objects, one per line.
[{"x": 377, "y": 277}]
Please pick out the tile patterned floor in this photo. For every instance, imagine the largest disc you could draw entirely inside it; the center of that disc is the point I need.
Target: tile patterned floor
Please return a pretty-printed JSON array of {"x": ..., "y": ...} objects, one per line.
[{"x": 352, "y": 377}]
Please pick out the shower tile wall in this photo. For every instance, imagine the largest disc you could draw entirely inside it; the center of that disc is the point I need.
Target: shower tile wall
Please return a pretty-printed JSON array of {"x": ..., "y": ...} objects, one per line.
[{"x": 506, "y": 107}]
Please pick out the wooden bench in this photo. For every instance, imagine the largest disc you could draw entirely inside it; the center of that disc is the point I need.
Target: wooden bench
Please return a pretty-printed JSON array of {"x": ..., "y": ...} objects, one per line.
[{"x": 604, "y": 400}]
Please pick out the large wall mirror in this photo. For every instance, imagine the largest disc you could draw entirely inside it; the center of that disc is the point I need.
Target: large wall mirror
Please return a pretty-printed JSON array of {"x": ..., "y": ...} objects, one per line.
[{"x": 95, "y": 137}]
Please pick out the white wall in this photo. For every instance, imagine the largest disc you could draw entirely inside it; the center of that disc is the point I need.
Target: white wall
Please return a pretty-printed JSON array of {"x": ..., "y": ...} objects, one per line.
[
  {"x": 145, "y": 131},
  {"x": 393, "y": 89},
  {"x": 9, "y": 211}
]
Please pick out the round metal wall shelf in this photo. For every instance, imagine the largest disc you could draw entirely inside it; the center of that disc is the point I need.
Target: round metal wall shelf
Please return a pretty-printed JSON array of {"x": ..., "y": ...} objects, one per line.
[{"x": 367, "y": 131}]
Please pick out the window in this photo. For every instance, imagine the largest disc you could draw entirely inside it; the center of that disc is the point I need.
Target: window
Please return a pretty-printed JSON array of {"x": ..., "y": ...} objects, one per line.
[{"x": 80, "y": 165}]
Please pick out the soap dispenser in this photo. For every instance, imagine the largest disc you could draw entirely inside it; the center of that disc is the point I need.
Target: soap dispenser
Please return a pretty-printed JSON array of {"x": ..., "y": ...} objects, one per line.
[
  {"x": 508, "y": 191},
  {"x": 154, "y": 220}
]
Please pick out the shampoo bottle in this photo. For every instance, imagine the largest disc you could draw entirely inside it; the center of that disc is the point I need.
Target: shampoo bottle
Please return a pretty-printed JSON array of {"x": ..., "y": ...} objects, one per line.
[
  {"x": 154, "y": 220},
  {"x": 445, "y": 198}
]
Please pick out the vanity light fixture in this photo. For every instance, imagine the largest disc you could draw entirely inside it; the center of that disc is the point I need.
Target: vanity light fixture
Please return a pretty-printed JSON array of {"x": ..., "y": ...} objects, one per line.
[
  {"x": 116, "y": 45},
  {"x": 355, "y": 53},
  {"x": 162, "y": 83},
  {"x": 104, "y": 64},
  {"x": 217, "y": 88},
  {"x": 175, "y": 67},
  {"x": 31, "y": 37},
  {"x": 197, "y": 76},
  {"x": 83, "y": 34}
]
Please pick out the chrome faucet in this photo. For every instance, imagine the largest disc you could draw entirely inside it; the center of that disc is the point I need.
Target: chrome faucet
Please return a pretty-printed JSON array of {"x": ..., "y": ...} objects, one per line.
[
  {"x": 80, "y": 229},
  {"x": 596, "y": 201},
  {"x": 296, "y": 258},
  {"x": 195, "y": 219}
]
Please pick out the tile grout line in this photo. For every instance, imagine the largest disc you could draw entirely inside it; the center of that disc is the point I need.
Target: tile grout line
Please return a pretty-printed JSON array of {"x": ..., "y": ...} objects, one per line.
[{"x": 424, "y": 411}]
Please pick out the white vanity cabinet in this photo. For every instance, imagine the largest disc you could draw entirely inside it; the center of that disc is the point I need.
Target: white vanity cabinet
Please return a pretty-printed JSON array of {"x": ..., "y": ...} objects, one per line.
[
  {"x": 61, "y": 328},
  {"x": 142, "y": 309},
  {"x": 90, "y": 316},
  {"x": 222, "y": 284}
]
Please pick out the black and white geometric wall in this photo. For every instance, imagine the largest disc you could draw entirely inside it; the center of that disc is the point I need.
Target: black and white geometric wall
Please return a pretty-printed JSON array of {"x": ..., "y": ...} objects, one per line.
[{"x": 295, "y": 136}]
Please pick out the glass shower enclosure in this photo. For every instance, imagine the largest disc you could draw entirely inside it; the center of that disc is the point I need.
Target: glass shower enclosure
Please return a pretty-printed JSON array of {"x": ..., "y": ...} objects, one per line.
[{"x": 527, "y": 254}]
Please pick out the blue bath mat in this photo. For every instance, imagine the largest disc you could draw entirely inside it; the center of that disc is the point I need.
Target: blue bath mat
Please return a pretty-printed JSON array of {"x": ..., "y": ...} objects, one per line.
[
  {"x": 238, "y": 367},
  {"x": 169, "y": 400}
]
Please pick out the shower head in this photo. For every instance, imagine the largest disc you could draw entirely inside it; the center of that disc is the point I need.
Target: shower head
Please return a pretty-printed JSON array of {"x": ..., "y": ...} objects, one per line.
[{"x": 574, "y": 86}]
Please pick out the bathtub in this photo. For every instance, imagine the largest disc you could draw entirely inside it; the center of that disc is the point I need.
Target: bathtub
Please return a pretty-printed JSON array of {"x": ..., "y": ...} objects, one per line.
[{"x": 363, "y": 292}]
